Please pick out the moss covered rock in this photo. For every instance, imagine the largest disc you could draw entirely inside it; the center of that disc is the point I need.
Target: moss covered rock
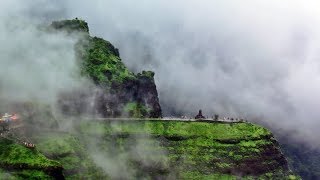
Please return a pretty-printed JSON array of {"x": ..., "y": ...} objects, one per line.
[{"x": 101, "y": 62}]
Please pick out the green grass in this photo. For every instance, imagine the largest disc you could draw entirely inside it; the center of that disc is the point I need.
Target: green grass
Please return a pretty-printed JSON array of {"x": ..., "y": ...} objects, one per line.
[
  {"x": 102, "y": 62},
  {"x": 218, "y": 131},
  {"x": 15, "y": 154},
  {"x": 198, "y": 150},
  {"x": 153, "y": 148},
  {"x": 135, "y": 110},
  {"x": 24, "y": 163},
  {"x": 199, "y": 176},
  {"x": 71, "y": 153}
]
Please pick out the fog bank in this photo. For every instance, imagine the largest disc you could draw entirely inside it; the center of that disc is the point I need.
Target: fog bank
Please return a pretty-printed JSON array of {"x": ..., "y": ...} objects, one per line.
[{"x": 252, "y": 59}]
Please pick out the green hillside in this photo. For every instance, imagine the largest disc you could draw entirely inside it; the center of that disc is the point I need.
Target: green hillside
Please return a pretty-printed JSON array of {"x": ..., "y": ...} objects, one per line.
[
  {"x": 192, "y": 150},
  {"x": 149, "y": 149}
]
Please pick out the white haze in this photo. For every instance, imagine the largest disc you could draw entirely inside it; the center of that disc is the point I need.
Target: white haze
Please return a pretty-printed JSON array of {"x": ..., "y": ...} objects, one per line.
[
  {"x": 35, "y": 65},
  {"x": 253, "y": 59}
]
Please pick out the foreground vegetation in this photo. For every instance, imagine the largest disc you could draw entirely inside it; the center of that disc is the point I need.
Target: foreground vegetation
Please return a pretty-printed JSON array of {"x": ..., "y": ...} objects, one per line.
[
  {"x": 149, "y": 149},
  {"x": 191, "y": 150},
  {"x": 19, "y": 162}
]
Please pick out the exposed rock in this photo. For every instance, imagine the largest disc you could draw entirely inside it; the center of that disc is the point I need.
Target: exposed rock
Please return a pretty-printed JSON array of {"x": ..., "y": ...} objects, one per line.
[{"x": 119, "y": 87}]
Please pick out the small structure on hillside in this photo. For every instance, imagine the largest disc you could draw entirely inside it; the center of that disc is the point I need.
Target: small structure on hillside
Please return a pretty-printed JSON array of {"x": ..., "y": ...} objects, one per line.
[
  {"x": 216, "y": 117},
  {"x": 199, "y": 115}
]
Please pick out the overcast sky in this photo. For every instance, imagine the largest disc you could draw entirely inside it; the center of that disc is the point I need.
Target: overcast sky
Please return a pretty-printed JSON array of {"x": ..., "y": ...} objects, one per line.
[{"x": 250, "y": 58}]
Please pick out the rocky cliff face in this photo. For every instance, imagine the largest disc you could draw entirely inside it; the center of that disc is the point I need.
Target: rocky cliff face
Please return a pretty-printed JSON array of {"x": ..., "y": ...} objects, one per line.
[{"x": 121, "y": 92}]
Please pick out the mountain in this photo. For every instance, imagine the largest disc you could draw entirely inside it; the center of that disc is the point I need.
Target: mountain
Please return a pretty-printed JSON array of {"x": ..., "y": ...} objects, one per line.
[
  {"x": 143, "y": 146},
  {"x": 122, "y": 93}
]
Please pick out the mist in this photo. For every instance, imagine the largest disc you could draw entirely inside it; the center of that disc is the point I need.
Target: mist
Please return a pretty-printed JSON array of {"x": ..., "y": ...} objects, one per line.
[
  {"x": 257, "y": 60},
  {"x": 35, "y": 65},
  {"x": 251, "y": 59}
]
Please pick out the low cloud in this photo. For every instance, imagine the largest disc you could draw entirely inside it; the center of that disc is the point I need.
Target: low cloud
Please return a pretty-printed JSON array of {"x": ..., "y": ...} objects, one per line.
[{"x": 252, "y": 59}]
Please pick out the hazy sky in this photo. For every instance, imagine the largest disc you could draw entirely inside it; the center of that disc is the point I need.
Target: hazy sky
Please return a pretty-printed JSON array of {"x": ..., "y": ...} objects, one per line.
[{"x": 251, "y": 58}]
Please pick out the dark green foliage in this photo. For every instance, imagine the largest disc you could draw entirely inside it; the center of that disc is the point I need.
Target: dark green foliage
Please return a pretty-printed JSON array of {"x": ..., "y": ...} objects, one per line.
[
  {"x": 147, "y": 74},
  {"x": 15, "y": 154},
  {"x": 166, "y": 149},
  {"x": 71, "y": 153},
  {"x": 135, "y": 110},
  {"x": 101, "y": 62},
  {"x": 74, "y": 25},
  {"x": 25, "y": 163}
]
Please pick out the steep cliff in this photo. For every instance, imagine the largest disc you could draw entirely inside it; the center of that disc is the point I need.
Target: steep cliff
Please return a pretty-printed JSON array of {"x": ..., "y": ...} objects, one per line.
[{"x": 120, "y": 88}]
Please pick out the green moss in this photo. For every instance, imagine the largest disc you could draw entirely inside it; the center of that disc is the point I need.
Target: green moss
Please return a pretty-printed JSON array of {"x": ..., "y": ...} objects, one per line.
[
  {"x": 153, "y": 148},
  {"x": 135, "y": 110},
  {"x": 147, "y": 74},
  {"x": 30, "y": 174},
  {"x": 102, "y": 62},
  {"x": 71, "y": 153},
  {"x": 196, "y": 149},
  {"x": 194, "y": 175},
  {"x": 15, "y": 154},
  {"x": 218, "y": 131}
]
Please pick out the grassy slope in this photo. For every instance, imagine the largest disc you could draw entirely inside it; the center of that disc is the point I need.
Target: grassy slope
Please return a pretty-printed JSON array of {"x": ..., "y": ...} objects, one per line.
[
  {"x": 188, "y": 150},
  {"x": 71, "y": 153},
  {"x": 23, "y": 162},
  {"x": 195, "y": 150}
]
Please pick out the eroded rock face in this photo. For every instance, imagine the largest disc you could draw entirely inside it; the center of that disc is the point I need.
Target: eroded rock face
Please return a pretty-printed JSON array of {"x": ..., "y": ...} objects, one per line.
[
  {"x": 141, "y": 93},
  {"x": 120, "y": 92}
]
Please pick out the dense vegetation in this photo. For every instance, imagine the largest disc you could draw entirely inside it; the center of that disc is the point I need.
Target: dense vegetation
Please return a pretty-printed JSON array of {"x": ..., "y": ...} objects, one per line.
[
  {"x": 100, "y": 61},
  {"x": 23, "y": 162},
  {"x": 71, "y": 153},
  {"x": 149, "y": 149},
  {"x": 191, "y": 150},
  {"x": 135, "y": 149},
  {"x": 74, "y": 25}
]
